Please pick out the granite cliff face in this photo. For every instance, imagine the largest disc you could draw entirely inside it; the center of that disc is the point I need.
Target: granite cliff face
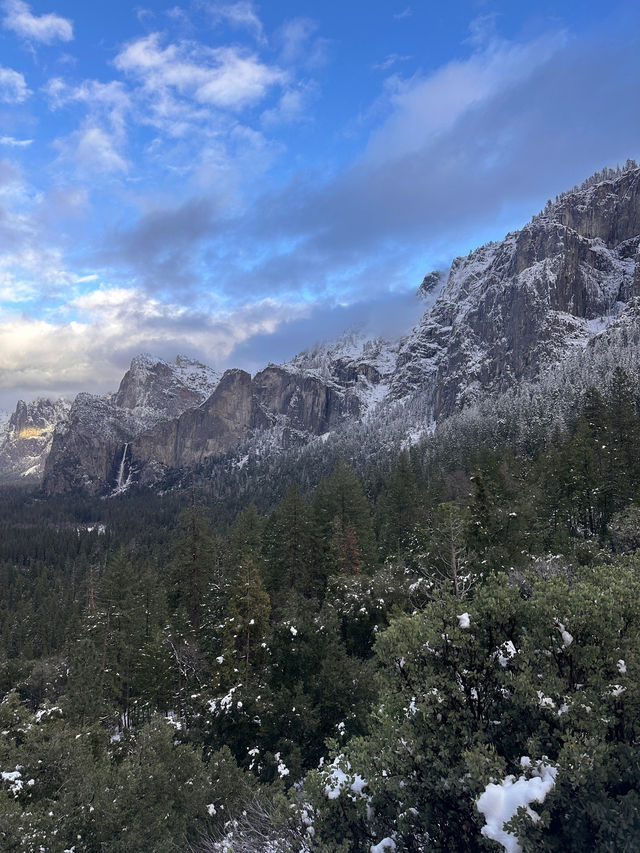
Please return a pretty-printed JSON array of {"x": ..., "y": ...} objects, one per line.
[
  {"x": 503, "y": 314},
  {"x": 27, "y": 437},
  {"x": 214, "y": 426},
  {"x": 295, "y": 406},
  {"x": 511, "y": 308},
  {"x": 90, "y": 448},
  {"x": 154, "y": 390}
]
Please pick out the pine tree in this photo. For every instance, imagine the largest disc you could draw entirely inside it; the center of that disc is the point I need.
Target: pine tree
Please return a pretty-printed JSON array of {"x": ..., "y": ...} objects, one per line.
[
  {"x": 288, "y": 547},
  {"x": 118, "y": 628},
  {"x": 398, "y": 512},
  {"x": 343, "y": 521},
  {"x": 245, "y": 537},
  {"x": 193, "y": 564},
  {"x": 624, "y": 440},
  {"x": 246, "y": 621}
]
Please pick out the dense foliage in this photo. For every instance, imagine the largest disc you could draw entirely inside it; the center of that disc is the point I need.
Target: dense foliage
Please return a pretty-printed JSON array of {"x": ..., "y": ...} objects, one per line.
[{"x": 344, "y": 670}]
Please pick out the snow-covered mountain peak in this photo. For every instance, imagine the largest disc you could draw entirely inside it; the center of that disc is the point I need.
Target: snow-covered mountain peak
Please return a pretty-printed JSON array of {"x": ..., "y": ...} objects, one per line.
[
  {"x": 195, "y": 375},
  {"x": 604, "y": 205},
  {"x": 27, "y": 436},
  {"x": 154, "y": 389},
  {"x": 352, "y": 347},
  {"x": 353, "y": 364},
  {"x": 512, "y": 307},
  {"x": 507, "y": 313}
]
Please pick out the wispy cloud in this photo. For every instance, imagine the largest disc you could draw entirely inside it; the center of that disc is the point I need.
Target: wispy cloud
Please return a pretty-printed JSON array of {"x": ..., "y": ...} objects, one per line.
[
  {"x": 93, "y": 149},
  {"x": 32, "y": 250},
  {"x": 407, "y": 12},
  {"x": 12, "y": 142},
  {"x": 46, "y": 29},
  {"x": 292, "y": 106},
  {"x": 13, "y": 86},
  {"x": 421, "y": 107},
  {"x": 301, "y": 45},
  {"x": 389, "y": 61},
  {"x": 242, "y": 15},
  {"x": 111, "y": 98}
]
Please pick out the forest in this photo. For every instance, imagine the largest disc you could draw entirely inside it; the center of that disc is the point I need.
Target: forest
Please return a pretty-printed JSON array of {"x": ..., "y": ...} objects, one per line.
[{"x": 340, "y": 665}]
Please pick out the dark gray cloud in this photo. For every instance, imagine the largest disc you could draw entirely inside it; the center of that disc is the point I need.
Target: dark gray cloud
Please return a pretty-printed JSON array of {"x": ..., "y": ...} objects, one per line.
[
  {"x": 163, "y": 247},
  {"x": 387, "y": 315},
  {"x": 571, "y": 116},
  {"x": 365, "y": 231}
]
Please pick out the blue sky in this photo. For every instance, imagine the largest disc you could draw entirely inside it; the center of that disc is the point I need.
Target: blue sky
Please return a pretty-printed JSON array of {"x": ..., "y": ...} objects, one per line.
[{"x": 235, "y": 181}]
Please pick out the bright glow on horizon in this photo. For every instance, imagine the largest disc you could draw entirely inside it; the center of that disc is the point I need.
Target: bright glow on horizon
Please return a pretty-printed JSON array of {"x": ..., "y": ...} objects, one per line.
[{"x": 229, "y": 179}]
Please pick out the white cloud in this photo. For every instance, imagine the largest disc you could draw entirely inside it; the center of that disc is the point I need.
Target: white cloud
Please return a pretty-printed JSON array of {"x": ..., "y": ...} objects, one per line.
[
  {"x": 421, "y": 108},
  {"x": 241, "y": 15},
  {"x": 226, "y": 77},
  {"x": 93, "y": 150},
  {"x": 109, "y": 325},
  {"x": 12, "y": 142},
  {"x": 239, "y": 80},
  {"x": 105, "y": 102},
  {"x": 41, "y": 268},
  {"x": 112, "y": 95},
  {"x": 12, "y": 290},
  {"x": 47, "y": 28},
  {"x": 292, "y": 105},
  {"x": 36, "y": 353},
  {"x": 299, "y": 44},
  {"x": 13, "y": 86},
  {"x": 34, "y": 239}
]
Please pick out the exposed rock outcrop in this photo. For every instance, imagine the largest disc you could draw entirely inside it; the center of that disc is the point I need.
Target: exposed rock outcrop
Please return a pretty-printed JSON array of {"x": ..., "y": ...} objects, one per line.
[
  {"x": 88, "y": 448},
  {"x": 510, "y": 308},
  {"x": 241, "y": 406},
  {"x": 506, "y": 312},
  {"x": 27, "y": 438}
]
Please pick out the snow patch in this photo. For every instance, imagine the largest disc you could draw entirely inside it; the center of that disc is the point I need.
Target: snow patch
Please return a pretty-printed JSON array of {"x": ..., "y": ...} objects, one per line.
[
  {"x": 338, "y": 778},
  {"x": 387, "y": 845},
  {"x": 567, "y": 638},
  {"x": 499, "y": 803},
  {"x": 506, "y": 651}
]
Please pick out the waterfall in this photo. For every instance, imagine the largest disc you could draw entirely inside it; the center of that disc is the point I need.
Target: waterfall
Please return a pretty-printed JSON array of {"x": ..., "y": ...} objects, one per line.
[{"x": 121, "y": 483}]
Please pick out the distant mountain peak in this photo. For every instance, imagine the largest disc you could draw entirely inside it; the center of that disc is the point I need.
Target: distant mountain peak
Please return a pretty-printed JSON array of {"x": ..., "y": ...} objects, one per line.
[{"x": 27, "y": 436}]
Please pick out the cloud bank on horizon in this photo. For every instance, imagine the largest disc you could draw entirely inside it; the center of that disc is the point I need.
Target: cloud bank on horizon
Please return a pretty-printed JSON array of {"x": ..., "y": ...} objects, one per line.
[{"x": 236, "y": 181}]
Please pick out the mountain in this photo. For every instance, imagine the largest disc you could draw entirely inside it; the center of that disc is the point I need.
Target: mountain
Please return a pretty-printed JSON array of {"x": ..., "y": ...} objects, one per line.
[
  {"x": 90, "y": 447},
  {"x": 562, "y": 289},
  {"x": 512, "y": 308},
  {"x": 153, "y": 389},
  {"x": 26, "y": 438}
]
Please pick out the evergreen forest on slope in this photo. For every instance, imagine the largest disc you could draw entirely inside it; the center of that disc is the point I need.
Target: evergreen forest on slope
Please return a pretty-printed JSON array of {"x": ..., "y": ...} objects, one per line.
[{"x": 345, "y": 667}]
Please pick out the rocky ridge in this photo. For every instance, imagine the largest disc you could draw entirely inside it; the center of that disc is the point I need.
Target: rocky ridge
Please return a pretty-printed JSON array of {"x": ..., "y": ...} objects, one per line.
[
  {"x": 91, "y": 444},
  {"x": 510, "y": 309},
  {"x": 505, "y": 314},
  {"x": 27, "y": 436}
]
